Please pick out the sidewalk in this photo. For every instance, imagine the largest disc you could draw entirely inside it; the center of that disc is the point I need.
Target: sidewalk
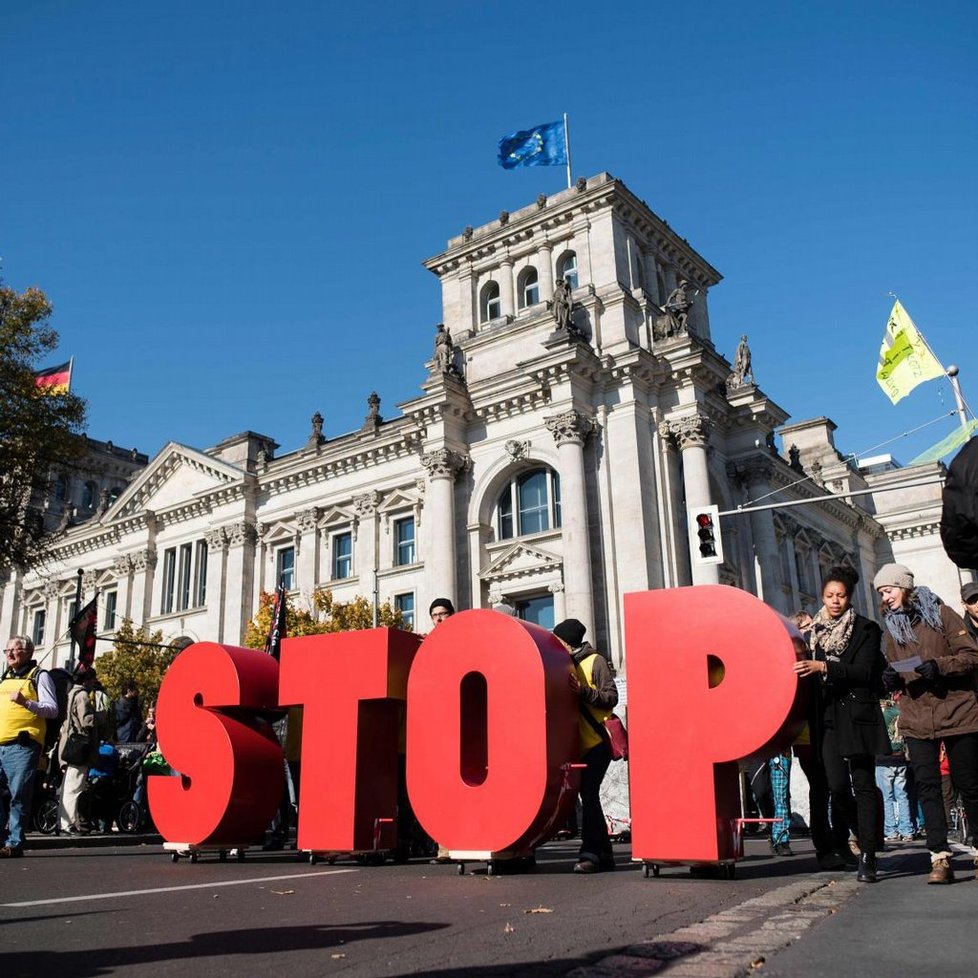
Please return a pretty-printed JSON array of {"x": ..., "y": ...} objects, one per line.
[
  {"x": 898, "y": 928},
  {"x": 39, "y": 841}
]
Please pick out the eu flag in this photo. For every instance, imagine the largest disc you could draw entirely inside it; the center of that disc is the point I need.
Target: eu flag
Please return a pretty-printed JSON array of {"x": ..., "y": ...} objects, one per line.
[{"x": 544, "y": 145}]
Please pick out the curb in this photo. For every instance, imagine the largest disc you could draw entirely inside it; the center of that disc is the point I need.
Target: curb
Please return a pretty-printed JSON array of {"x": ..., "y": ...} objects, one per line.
[{"x": 36, "y": 842}]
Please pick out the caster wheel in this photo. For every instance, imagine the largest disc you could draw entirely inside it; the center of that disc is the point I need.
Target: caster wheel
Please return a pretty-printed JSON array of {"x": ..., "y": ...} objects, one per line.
[
  {"x": 461, "y": 869},
  {"x": 193, "y": 857},
  {"x": 240, "y": 856},
  {"x": 490, "y": 869},
  {"x": 331, "y": 860},
  {"x": 175, "y": 857},
  {"x": 313, "y": 859},
  {"x": 730, "y": 871}
]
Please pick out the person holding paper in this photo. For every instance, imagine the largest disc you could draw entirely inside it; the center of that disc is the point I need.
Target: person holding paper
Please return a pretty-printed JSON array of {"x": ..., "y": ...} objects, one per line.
[
  {"x": 939, "y": 702},
  {"x": 848, "y": 661}
]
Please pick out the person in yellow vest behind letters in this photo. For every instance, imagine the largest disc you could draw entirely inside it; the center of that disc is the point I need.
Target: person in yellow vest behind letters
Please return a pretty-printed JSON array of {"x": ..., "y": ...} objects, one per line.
[
  {"x": 27, "y": 702},
  {"x": 597, "y": 697}
]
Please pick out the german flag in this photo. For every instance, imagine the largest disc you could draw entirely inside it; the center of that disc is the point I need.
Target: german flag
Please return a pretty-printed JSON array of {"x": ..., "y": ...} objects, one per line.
[{"x": 54, "y": 380}]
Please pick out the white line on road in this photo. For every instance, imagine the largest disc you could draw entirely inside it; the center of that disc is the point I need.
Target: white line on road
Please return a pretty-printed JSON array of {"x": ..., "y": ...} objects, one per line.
[{"x": 173, "y": 889}]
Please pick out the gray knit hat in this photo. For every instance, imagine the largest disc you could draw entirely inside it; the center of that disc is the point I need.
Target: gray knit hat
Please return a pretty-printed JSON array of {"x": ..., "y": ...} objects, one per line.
[{"x": 893, "y": 575}]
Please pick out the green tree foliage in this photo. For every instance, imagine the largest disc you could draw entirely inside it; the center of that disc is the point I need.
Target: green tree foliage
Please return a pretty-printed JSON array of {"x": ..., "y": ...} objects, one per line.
[
  {"x": 130, "y": 658},
  {"x": 38, "y": 431},
  {"x": 327, "y": 615}
]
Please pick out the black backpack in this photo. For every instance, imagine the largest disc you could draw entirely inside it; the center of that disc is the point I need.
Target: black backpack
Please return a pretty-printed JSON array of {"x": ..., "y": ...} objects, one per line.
[{"x": 62, "y": 682}]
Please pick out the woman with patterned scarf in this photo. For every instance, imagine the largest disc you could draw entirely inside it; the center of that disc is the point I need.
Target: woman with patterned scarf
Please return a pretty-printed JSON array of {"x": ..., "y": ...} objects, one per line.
[
  {"x": 936, "y": 660},
  {"x": 848, "y": 661}
]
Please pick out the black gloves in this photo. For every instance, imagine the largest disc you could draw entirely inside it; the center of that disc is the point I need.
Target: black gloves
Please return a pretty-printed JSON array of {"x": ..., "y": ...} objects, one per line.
[
  {"x": 928, "y": 671},
  {"x": 892, "y": 680}
]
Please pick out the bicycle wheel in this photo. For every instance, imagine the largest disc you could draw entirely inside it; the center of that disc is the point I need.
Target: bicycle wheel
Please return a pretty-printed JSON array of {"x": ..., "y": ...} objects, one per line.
[
  {"x": 130, "y": 817},
  {"x": 46, "y": 816}
]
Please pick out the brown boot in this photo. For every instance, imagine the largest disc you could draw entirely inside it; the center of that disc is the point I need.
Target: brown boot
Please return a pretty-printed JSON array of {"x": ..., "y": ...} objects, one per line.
[{"x": 940, "y": 870}]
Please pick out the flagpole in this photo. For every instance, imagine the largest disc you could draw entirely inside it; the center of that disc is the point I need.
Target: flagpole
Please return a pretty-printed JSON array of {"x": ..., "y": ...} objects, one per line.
[
  {"x": 952, "y": 375},
  {"x": 78, "y": 596},
  {"x": 567, "y": 148},
  {"x": 71, "y": 367}
]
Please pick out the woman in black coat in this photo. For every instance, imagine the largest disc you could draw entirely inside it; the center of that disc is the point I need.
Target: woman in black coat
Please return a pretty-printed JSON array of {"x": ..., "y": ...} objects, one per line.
[{"x": 848, "y": 661}]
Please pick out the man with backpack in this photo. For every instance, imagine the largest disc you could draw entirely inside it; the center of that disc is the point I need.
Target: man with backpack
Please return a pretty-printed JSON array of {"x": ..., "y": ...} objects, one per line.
[{"x": 27, "y": 702}]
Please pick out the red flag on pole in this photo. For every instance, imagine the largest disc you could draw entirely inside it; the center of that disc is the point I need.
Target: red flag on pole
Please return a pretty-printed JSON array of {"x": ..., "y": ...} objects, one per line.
[
  {"x": 82, "y": 630},
  {"x": 276, "y": 631}
]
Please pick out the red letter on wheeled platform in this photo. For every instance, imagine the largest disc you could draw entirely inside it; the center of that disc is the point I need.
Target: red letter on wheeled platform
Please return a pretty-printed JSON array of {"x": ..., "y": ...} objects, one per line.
[
  {"x": 710, "y": 682},
  {"x": 229, "y": 761},
  {"x": 491, "y": 721}
]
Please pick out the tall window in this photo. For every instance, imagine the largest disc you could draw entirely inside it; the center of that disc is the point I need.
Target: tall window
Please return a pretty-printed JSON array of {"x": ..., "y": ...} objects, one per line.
[
  {"x": 200, "y": 575},
  {"x": 37, "y": 631},
  {"x": 90, "y": 495},
  {"x": 285, "y": 568},
  {"x": 61, "y": 488},
  {"x": 169, "y": 580},
  {"x": 186, "y": 563},
  {"x": 110, "y": 604},
  {"x": 530, "y": 503},
  {"x": 342, "y": 556},
  {"x": 404, "y": 603},
  {"x": 529, "y": 287},
  {"x": 404, "y": 541},
  {"x": 567, "y": 268},
  {"x": 490, "y": 305}
]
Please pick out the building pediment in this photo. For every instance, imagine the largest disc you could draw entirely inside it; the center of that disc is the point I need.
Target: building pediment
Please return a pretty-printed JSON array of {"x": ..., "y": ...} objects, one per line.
[
  {"x": 521, "y": 560},
  {"x": 176, "y": 477}
]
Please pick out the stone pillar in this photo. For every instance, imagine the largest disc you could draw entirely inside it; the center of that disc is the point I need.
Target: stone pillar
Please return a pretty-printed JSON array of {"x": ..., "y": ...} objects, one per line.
[
  {"x": 570, "y": 431},
  {"x": 545, "y": 272},
  {"x": 506, "y": 303},
  {"x": 467, "y": 300},
  {"x": 143, "y": 577},
  {"x": 365, "y": 542},
  {"x": 755, "y": 475},
  {"x": 240, "y": 568},
  {"x": 216, "y": 598},
  {"x": 692, "y": 435},
  {"x": 651, "y": 276},
  {"x": 560, "y": 606},
  {"x": 442, "y": 466},
  {"x": 307, "y": 550},
  {"x": 122, "y": 568}
]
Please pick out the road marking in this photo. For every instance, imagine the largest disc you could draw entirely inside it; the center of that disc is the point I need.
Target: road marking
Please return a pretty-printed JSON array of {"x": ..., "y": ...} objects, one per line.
[{"x": 174, "y": 889}]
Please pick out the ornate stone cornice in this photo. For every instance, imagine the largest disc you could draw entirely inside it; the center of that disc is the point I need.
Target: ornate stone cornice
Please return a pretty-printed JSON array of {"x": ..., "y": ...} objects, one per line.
[
  {"x": 691, "y": 431},
  {"x": 239, "y": 534},
  {"x": 122, "y": 565},
  {"x": 366, "y": 503},
  {"x": 443, "y": 463},
  {"x": 571, "y": 428},
  {"x": 750, "y": 471},
  {"x": 306, "y": 519},
  {"x": 143, "y": 560}
]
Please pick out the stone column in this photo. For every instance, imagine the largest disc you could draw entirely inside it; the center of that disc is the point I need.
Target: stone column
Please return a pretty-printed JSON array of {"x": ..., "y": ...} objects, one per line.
[
  {"x": 365, "y": 542},
  {"x": 307, "y": 549},
  {"x": 545, "y": 272},
  {"x": 442, "y": 466},
  {"x": 506, "y": 287},
  {"x": 143, "y": 577},
  {"x": 692, "y": 435},
  {"x": 240, "y": 569},
  {"x": 755, "y": 475},
  {"x": 560, "y": 606},
  {"x": 216, "y": 598},
  {"x": 467, "y": 312},
  {"x": 651, "y": 276},
  {"x": 570, "y": 431}
]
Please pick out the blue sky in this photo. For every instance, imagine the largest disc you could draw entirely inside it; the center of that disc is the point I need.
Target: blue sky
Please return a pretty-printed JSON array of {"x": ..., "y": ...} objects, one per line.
[{"x": 228, "y": 203}]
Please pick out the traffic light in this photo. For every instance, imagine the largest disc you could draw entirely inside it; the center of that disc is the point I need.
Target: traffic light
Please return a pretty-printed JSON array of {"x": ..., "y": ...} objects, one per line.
[{"x": 705, "y": 546}]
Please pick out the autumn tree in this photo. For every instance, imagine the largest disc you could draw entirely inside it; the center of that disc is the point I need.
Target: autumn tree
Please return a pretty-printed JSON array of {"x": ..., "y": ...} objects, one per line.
[
  {"x": 38, "y": 430},
  {"x": 138, "y": 654},
  {"x": 327, "y": 615}
]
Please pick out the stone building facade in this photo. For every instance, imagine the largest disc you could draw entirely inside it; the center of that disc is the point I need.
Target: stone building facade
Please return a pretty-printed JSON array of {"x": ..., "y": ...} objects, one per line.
[{"x": 550, "y": 462}]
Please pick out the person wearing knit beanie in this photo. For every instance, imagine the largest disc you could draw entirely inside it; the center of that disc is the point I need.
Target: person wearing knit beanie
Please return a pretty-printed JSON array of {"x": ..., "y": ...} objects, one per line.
[
  {"x": 893, "y": 575},
  {"x": 571, "y": 631}
]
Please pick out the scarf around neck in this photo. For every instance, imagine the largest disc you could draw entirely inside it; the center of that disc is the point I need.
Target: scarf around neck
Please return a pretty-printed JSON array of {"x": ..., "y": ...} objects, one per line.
[
  {"x": 925, "y": 607},
  {"x": 830, "y": 636}
]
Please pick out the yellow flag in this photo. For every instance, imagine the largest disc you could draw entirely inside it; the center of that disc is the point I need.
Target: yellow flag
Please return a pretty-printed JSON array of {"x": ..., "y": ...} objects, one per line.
[{"x": 905, "y": 359}]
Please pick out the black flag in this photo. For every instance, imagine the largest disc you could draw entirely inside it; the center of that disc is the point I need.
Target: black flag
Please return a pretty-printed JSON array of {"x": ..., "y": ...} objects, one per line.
[
  {"x": 276, "y": 631},
  {"x": 82, "y": 629}
]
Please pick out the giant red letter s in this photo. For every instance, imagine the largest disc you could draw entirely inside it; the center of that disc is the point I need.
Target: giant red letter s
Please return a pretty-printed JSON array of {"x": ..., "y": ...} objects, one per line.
[
  {"x": 710, "y": 681},
  {"x": 352, "y": 687},
  {"x": 229, "y": 761},
  {"x": 491, "y": 721}
]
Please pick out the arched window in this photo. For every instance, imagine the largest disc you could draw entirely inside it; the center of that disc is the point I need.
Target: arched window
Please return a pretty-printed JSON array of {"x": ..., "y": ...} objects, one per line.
[
  {"x": 529, "y": 503},
  {"x": 567, "y": 268},
  {"x": 490, "y": 306},
  {"x": 529, "y": 287},
  {"x": 61, "y": 488},
  {"x": 89, "y": 496}
]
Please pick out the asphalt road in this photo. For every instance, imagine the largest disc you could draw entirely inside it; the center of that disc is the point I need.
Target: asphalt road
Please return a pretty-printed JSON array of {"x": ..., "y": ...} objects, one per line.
[{"x": 131, "y": 911}]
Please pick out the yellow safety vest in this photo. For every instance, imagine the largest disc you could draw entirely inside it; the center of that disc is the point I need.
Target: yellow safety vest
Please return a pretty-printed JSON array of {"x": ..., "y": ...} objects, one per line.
[
  {"x": 589, "y": 736},
  {"x": 13, "y": 717}
]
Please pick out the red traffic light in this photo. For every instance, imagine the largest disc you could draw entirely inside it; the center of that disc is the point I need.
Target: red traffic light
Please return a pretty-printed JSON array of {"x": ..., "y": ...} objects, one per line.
[{"x": 704, "y": 519}]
